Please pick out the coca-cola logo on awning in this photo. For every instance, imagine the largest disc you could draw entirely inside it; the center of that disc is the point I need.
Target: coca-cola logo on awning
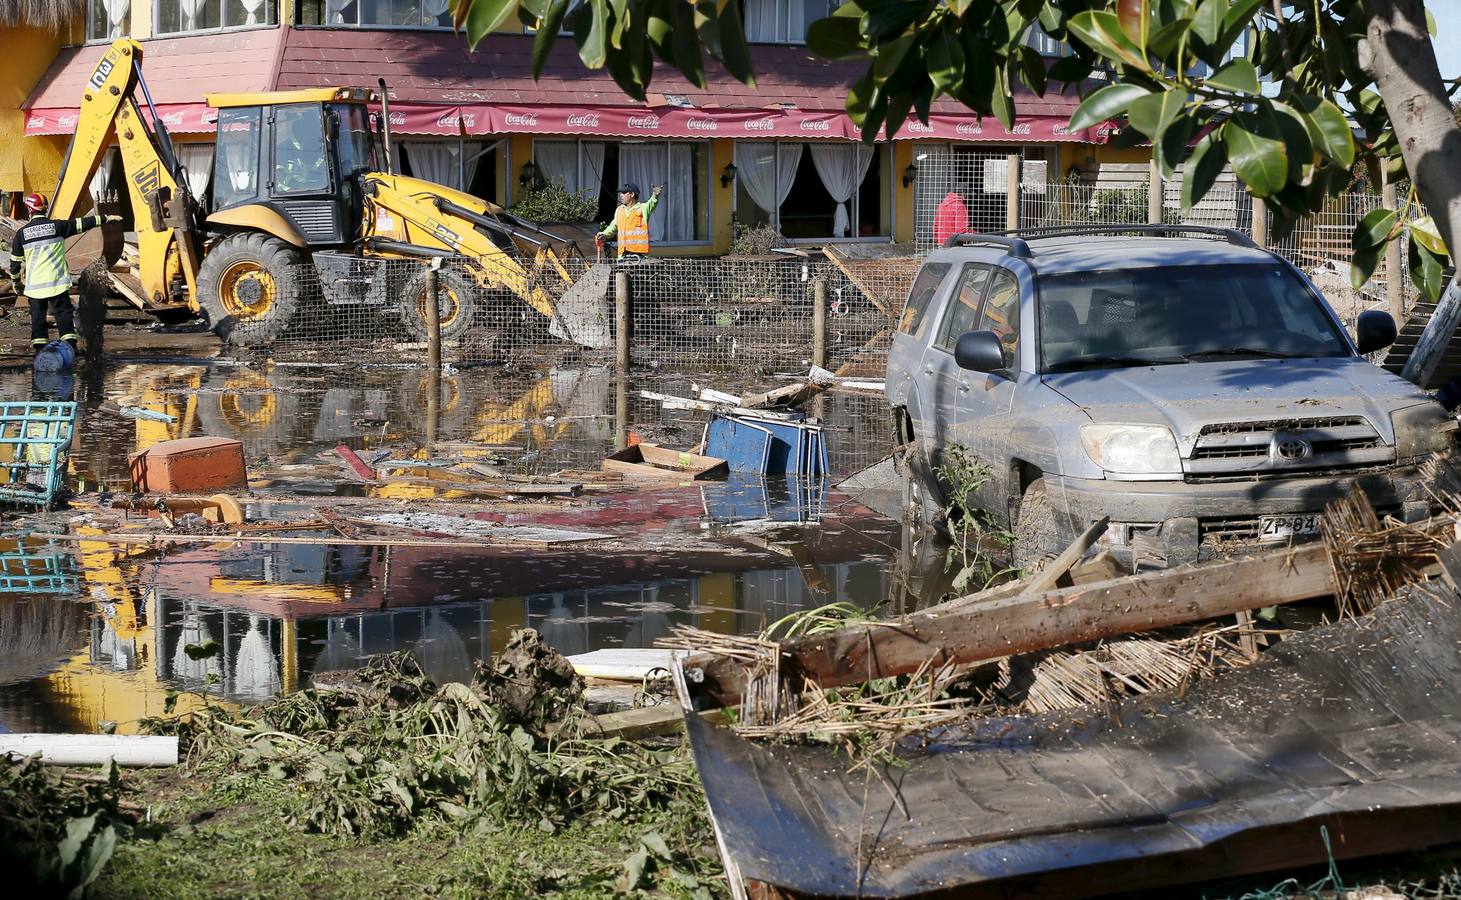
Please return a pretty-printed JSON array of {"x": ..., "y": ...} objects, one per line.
[
  {"x": 69, "y": 120},
  {"x": 913, "y": 126},
  {"x": 969, "y": 128},
  {"x": 36, "y": 122},
  {"x": 522, "y": 120},
  {"x": 650, "y": 122},
  {"x": 1019, "y": 129},
  {"x": 452, "y": 119},
  {"x": 701, "y": 124},
  {"x": 171, "y": 120},
  {"x": 583, "y": 120},
  {"x": 398, "y": 119},
  {"x": 767, "y": 123},
  {"x": 1061, "y": 129},
  {"x": 816, "y": 125}
]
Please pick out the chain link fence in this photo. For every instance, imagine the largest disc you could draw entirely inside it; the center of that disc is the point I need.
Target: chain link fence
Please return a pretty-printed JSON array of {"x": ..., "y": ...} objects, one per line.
[{"x": 745, "y": 315}]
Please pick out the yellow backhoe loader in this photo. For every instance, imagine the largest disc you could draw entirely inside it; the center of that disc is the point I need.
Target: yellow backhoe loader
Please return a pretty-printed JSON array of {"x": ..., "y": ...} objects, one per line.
[{"x": 301, "y": 216}]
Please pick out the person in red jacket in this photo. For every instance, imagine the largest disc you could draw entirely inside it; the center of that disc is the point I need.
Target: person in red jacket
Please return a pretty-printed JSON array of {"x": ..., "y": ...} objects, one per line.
[{"x": 951, "y": 218}]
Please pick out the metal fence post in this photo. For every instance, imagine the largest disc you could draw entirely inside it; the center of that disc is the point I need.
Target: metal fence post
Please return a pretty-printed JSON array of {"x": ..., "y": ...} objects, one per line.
[
  {"x": 1154, "y": 198},
  {"x": 819, "y": 323},
  {"x": 1394, "y": 269},
  {"x": 621, "y": 322},
  {"x": 1260, "y": 222},
  {"x": 1012, "y": 192},
  {"x": 433, "y": 318}
]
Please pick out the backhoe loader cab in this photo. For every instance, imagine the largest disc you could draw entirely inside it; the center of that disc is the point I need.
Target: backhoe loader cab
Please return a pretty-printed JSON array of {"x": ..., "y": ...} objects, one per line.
[{"x": 298, "y": 155}]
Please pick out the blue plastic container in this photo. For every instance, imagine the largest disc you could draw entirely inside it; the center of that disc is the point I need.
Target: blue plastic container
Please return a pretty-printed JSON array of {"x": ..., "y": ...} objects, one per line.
[{"x": 57, "y": 356}]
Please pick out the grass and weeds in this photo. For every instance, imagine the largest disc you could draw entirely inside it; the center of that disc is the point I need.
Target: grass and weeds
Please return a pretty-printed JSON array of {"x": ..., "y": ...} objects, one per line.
[
  {"x": 58, "y": 827},
  {"x": 386, "y": 786}
]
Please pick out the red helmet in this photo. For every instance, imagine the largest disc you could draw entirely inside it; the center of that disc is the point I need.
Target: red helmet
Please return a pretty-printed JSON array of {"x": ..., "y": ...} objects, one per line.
[{"x": 35, "y": 203}]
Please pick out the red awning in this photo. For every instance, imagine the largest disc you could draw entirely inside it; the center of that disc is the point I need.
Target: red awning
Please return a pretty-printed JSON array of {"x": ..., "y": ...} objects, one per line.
[
  {"x": 682, "y": 123},
  {"x": 179, "y": 118}
]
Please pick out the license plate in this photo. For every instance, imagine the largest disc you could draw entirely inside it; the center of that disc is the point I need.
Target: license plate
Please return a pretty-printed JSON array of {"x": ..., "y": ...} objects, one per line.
[{"x": 1281, "y": 528}]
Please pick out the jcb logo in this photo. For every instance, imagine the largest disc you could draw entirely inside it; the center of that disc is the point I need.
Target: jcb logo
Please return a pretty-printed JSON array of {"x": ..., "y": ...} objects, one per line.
[
  {"x": 103, "y": 69},
  {"x": 148, "y": 179}
]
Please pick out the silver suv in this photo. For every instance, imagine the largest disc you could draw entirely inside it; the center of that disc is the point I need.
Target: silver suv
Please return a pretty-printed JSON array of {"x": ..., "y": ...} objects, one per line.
[{"x": 1193, "y": 387}]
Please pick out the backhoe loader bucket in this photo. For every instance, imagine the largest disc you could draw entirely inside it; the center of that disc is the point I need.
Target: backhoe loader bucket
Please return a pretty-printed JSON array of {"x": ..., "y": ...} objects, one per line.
[{"x": 584, "y": 310}]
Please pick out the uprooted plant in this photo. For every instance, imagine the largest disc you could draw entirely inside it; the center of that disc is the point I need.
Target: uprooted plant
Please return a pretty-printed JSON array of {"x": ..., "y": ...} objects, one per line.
[
  {"x": 977, "y": 543},
  {"x": 396, "y": 749},
  {"x": 58, "y": 827}
]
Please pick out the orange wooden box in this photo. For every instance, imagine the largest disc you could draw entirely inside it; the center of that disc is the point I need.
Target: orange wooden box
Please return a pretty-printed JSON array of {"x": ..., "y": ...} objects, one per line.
[{"x": 196, "y": 465}]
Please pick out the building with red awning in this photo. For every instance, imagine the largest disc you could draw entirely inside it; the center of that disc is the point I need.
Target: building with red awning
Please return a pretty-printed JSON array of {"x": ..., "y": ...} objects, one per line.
[{"x": 783, "y": 154}]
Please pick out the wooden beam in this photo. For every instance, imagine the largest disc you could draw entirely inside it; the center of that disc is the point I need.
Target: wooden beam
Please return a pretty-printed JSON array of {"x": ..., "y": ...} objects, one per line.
[
  {"x": 1048, "y": 577},
  {"x": 840, "y": 262},
  {"x": 1005, "y": 626}
]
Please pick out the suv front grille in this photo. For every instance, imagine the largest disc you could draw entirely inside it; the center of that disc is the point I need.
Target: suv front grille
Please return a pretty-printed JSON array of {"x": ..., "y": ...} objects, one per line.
[{"x": 1246, "y": 449}]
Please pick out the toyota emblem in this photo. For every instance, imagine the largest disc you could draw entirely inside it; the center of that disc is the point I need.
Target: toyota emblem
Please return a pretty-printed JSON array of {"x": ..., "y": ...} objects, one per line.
[{"x": 1291, "y": 448}]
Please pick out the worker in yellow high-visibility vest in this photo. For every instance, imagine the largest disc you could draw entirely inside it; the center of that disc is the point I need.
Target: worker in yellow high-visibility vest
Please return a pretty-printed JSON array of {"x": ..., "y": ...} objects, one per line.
[{"x": 631, "y": 222}]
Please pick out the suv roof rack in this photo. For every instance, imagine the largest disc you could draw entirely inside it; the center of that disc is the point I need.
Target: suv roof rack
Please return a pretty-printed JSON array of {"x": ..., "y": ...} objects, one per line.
[
  {"x": 1017, "y": 241},
  {"x": 1015, "y": 246}
]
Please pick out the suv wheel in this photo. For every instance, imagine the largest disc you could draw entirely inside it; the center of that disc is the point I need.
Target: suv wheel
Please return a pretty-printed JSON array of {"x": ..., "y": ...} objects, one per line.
[{"x": 1035, "y": 532}]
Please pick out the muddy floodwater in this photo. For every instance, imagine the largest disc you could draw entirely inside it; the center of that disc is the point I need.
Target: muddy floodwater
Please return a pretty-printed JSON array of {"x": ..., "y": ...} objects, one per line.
[{"x": 93, "y": 633}]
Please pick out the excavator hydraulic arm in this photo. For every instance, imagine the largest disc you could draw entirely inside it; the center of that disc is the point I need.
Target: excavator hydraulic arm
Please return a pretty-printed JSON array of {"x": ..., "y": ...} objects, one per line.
[{"x": 163, "y": 213}]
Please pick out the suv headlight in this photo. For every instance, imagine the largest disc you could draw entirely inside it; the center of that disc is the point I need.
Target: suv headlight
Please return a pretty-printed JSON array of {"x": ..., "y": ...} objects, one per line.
[
  {"x": 1133, "y": 449},
  {"x": 1421, "y": 430}
]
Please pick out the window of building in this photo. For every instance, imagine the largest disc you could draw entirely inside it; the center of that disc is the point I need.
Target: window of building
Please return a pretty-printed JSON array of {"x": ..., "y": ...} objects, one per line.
[
  {"x": 1044, "y": 43},
  {"x": 107, "y": 20},
  {"x": 783, "y": 21},
  {"x": 389, "y": 13},
  {"x": 814, "y": 190},
  {"x": 177, "y": 16},
  {"x": 598, "y": 168}
]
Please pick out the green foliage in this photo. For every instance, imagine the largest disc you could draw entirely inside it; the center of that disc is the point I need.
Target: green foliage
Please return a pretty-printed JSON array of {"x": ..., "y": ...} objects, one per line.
[
  {"x": 365, "y": 767},
  {"x": 552, "y": 202},
  {"x": 817, "y": 621},
  {"x": 977, "y": 542},
  {"x": 755, "y": 240},
  {"x": 57, "y": 833}
]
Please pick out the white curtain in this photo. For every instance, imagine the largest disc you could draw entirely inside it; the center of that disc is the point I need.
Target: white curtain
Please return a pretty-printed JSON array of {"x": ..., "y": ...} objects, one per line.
[
  {"x": 198, "y": 160},
  {"x": 101, "y": 182},
  {"x": 645, "y": 165},
  {"x": 334, "y": 12},
  {"x": 252, "y": 10},
  {"x": 775, "y": 21},
  {"x": 433, "y": 10},
  {"x": 767, "y": 171},
  {"x": 679, "y": 197},
  {"x": 557, "y": 162},
  {"x": 842, "y": 168},
  {"x": 194, "y": 631},
  {"x": 255, "y": 670},
  {"x": 116, "y": 14},
  {"x": 592, "y": 169},
  {"x": 190, "y": 10},
  {"x": 441, "y": 161}
]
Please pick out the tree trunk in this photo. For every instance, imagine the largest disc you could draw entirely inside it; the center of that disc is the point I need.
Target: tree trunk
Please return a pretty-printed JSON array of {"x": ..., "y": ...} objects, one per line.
[{"x": 1408, "y": 77}]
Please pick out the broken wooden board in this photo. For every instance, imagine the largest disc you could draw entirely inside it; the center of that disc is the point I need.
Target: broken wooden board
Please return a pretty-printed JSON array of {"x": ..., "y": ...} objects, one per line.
[
  {"x": 651, "y": 462},
  {"x": 969, "y": 633},
  {"x": 457, "y": 526},
  {"x": 647, "y": 721},
  {"x": 625, "y": 664}
]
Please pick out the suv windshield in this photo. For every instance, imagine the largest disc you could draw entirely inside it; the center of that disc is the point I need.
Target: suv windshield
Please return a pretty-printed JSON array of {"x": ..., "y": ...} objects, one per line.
[{"x": 1174, "y": 314}]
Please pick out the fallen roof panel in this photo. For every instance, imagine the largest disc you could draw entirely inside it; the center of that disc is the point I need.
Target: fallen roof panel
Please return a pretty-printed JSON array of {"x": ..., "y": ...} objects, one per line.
[{"x": 1352, "y": 726}]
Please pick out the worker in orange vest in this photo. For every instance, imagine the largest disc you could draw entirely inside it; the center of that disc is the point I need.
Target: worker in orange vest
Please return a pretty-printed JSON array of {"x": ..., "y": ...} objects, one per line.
[{"x": 631, "y": 222}]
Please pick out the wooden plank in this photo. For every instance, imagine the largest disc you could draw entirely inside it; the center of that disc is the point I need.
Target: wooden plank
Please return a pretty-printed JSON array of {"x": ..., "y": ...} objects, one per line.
[
  {"x": 338, "y": 522},
  {"x": 128, "y": 288},
  {"x": 365, "y": 472},
  {"x": 1050, "y": 576},
  {"x": 840, "y": 262},
  {"x": 624, "y": 664},
  {"x": 1436, "y": 339},
  {"x": 971, "y": 633},
  {"x": 647, "y": 721},
  {"x": 93, "y": 749}
]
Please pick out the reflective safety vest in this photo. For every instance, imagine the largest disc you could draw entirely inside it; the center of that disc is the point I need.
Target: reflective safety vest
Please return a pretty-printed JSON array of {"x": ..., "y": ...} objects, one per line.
[
  {"x": 632, "y": 225},
  {"x": 40, "y": 245}
]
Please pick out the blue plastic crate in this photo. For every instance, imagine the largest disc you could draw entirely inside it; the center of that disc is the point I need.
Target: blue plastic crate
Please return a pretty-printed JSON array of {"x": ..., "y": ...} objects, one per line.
[
  {"x": 767, "y": 446},
  {"x": 35, "y": 444}
]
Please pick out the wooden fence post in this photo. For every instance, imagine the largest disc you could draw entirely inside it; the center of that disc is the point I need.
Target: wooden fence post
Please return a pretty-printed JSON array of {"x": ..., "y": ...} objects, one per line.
[
  {"x": 1260, "y": 222},
  {"x": 819, "y": 322},
  {"x": 621, "y": 322},
  {"x": 1154, "y": 193},
  {"x": 433, "y": 318}
]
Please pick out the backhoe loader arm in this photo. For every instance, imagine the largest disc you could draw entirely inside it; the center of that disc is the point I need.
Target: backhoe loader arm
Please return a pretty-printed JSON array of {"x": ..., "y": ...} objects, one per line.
[{"x": 109, "y": 111}]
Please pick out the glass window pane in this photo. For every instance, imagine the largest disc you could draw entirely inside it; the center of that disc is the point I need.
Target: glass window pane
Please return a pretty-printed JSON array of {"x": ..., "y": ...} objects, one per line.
[
  {"x": 236, "y": 161},
  {"x": 964, "y": 310},
  {"x": 299, "y": 150},
  {"x": 1001, "y": 315},
  {"x": 167, "y": 17},
  {"x": 914, "y": 321}
]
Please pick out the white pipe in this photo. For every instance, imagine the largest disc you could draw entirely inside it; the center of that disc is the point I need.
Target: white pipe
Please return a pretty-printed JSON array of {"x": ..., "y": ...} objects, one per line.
[{"x": 92, "y": 749}]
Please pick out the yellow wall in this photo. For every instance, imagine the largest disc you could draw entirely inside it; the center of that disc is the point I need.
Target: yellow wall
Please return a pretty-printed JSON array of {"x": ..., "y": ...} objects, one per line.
[{"x": 23, "y": 166}]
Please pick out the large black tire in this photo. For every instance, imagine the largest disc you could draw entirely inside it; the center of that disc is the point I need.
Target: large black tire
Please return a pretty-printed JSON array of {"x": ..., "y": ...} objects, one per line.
[
  {"x": 458, "y": 299},
  {"x": 251, "y": 286},
  {"x": 1035, "y": 529}
]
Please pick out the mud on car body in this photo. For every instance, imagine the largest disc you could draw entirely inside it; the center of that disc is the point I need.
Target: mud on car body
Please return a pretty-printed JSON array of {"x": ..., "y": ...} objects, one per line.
[{"x": 1195, "y": 388}]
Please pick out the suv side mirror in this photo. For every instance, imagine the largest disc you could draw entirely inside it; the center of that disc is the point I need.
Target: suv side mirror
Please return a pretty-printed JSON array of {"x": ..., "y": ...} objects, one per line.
[
  {"x": 1375, "y": 330},
  {"x": 979, "y": 351}
]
